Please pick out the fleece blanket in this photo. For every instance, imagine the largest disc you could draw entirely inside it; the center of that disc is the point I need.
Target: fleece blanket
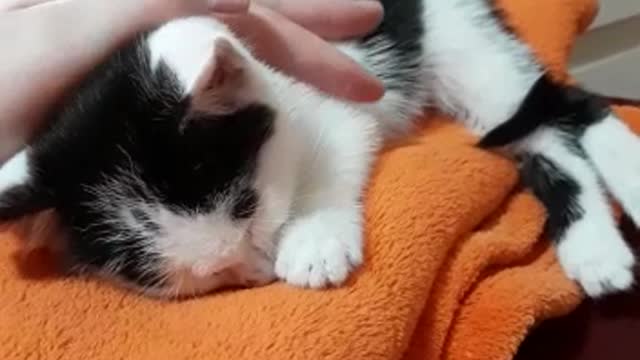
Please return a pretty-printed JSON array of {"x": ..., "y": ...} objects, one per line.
[{"x": 455, "y": 265}]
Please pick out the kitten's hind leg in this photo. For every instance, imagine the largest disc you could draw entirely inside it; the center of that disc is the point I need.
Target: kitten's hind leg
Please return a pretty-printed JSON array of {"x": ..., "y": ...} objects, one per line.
[
  {"x": 614, "y": 151},
  {"x": 589, "y": 245}
]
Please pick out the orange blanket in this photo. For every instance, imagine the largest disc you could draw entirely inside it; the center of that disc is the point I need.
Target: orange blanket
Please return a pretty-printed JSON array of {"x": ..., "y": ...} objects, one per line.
[{"x": 455, "y": 267}]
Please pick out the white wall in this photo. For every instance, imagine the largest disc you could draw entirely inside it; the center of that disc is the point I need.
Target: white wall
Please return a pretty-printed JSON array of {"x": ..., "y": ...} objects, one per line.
[{"x": 607, "y": 58}]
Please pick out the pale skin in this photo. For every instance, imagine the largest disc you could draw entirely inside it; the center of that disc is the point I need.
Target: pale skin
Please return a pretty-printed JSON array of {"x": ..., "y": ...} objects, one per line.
[{"x": 48, "y": 45}]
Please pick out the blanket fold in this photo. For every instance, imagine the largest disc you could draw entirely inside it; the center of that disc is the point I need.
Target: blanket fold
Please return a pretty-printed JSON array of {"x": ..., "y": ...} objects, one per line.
[{"x": 455, "y": 265}]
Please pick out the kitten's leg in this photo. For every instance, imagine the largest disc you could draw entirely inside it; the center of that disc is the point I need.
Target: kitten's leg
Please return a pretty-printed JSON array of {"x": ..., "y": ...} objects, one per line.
[
  {"x": 615, "y": 152},
  {"x": 580, "y": 222},
  {"x": 322, "y": 244}
]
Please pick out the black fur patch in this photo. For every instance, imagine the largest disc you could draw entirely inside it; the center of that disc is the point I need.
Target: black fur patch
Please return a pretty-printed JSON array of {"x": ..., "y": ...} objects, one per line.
[
  {"x": 403, "y": 28},
  {"x": 245, "y": 205},
  {"x": 129, "y": 121},
  {"x": 557, "y": 191},
  {"x": 24, "y": 199},
  {"x": 549, "y": 104}
]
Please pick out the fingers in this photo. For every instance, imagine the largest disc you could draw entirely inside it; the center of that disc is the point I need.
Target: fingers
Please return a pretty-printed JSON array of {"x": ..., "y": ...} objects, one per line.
[
  {"x": 330, "y": 19},
  {"x": 303, "y": 55},
  {"x": 164, "y": 10},
  {"x": 231, "y": 6},
  {"x": 6, "y": 5}
]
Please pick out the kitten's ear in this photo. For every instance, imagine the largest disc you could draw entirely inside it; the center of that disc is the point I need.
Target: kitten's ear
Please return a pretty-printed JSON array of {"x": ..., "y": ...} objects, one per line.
[{"x": 224, "y": 72}]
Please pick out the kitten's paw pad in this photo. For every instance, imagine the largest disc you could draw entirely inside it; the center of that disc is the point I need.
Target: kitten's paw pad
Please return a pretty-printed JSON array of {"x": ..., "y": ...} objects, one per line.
[
  {"x": 601, "y": 265},
  {"x": 320, "y": 250}
]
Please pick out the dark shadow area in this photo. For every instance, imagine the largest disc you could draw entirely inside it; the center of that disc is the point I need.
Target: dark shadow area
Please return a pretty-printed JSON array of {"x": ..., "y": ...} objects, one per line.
[
  {"x": 38, "y": 264},
  {"x": 599, "y": 329}
]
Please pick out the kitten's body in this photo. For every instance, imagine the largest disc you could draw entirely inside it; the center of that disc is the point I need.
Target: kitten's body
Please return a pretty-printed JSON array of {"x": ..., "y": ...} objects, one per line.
[{"x": 217, "y": 170}]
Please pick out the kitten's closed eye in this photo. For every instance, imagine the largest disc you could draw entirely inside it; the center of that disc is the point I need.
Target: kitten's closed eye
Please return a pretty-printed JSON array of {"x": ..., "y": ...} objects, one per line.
[{"x": 245, "y": 205}]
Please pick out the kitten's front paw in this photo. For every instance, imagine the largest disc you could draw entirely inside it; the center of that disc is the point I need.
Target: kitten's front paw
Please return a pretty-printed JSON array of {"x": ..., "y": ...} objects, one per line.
[
  {"x": 321, "y": 249},
  {"x": 596, "y": 256}
]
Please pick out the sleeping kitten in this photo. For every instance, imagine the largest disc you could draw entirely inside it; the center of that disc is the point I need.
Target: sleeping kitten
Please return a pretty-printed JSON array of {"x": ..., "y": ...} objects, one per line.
[{"x": 183, "y": 164}]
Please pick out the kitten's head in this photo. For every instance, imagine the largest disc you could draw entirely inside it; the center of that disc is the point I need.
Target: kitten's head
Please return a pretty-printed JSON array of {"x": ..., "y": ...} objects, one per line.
[{"x": 156, "y": 166}]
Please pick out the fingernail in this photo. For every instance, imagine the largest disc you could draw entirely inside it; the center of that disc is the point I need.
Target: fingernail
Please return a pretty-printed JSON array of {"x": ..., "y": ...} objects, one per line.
[
  {"x": 229, "y": 6},
  {"x": 368, "y": 89},
  {"x": 370, "y": 5},
  {"x": 372, "y": 93}
]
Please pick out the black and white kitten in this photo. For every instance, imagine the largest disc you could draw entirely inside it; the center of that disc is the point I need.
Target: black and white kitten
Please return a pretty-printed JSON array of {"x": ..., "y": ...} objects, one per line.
[{"x": 184, "y": 164}]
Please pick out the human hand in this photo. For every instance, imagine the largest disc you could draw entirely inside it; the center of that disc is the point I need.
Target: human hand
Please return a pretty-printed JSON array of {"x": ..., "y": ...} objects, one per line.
[{"x": 48, "y": 46}]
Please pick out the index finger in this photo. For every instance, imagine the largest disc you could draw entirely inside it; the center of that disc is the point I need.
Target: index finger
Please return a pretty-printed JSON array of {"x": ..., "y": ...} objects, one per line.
[
  {"x": 303, "y": 55},
  {"x": 330, "y": 19}
]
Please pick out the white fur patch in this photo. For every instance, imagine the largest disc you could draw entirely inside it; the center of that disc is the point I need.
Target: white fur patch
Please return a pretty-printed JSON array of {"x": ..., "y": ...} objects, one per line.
[
  {"x": 15, "y": 171},
  {"x": 206, "y": 251},
  {"x": 478, "y": 72},
  {"x": 186, "y": 46},
  {"x": 204, "y": 241}
]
